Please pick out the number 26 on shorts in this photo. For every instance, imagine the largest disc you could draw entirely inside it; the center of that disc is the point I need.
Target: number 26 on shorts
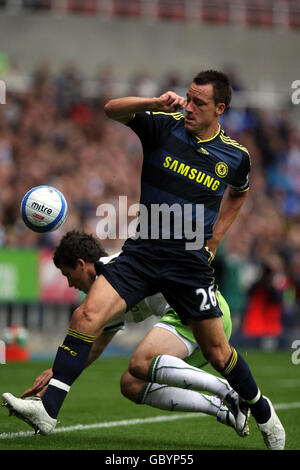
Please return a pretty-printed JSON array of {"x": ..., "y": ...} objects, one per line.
[{"x": 208, "y": 298}]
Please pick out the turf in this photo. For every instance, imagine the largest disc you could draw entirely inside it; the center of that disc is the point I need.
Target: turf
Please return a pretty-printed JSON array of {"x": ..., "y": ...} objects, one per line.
[{"x": 95, "y": 398}]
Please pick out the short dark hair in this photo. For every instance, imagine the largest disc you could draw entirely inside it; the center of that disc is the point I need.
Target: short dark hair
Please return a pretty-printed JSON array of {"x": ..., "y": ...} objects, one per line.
[
  {"x": 75, "y": 245},
  {"x": 220, "y": 82}
]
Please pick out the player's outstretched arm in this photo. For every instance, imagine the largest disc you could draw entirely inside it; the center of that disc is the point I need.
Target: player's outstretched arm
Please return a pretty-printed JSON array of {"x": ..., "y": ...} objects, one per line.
[
  {"x": 41, "y": 382},
  {"x": 123, "y": 109}
]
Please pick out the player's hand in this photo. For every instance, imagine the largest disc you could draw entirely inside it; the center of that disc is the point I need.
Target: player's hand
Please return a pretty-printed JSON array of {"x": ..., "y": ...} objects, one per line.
[
  {"x": 170, "y": 102},
  {"x": 40, "y": 385}
]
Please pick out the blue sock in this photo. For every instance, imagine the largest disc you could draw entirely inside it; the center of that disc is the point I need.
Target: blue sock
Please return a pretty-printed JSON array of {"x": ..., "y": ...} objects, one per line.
[
  {"x": 238, "y": 375},
  {"x": 69, "y": 362}
]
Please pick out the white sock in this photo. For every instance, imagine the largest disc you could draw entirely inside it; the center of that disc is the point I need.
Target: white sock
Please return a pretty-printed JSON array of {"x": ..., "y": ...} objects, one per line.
[
  {"x": 177, "y": 399},
  {"x": 175, "y": 372}
]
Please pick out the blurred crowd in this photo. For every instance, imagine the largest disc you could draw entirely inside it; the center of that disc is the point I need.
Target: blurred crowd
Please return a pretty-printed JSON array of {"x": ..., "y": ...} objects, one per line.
[{"x": 52, "y": 133}]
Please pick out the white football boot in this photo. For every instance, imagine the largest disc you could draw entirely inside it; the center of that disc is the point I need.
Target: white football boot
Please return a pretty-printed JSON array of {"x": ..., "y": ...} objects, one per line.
[
  {"x": 240, "y": 410},
  {"x": 272, "y": 431},
  {"x": 32, "y": 411},
  {"x": 225, "y": 416}
]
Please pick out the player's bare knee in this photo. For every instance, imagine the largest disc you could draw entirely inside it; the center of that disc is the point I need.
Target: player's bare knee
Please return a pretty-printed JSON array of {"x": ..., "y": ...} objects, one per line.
[
  {"x": 135, "y": 367},
  {"x": 128, "y": 387},
  {"x": 139, "y": 367},
  {"x": 125, "y": 384},
  {"x": 76, "y": 321},
  {"x": 216, "y": 356},
  {"x": 84, "y": 320}
]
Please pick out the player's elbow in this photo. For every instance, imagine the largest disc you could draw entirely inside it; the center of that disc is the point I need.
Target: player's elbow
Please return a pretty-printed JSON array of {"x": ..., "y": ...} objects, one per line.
[{"x": 108, "y": 109}]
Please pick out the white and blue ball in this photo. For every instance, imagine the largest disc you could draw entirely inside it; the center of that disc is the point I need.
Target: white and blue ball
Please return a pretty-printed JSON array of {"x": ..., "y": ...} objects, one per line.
[{"x": 44, "y": 209}]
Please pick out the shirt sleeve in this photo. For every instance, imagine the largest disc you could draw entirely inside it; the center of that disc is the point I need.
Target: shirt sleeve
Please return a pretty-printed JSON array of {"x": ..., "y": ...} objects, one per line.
[
  {"x": 240, "y": 182},
  {"x": 150, "y": 127}
]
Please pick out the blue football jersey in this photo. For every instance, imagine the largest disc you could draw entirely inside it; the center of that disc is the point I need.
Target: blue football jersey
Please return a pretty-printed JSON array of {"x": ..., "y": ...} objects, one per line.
[{"x": 182, "y": 172}]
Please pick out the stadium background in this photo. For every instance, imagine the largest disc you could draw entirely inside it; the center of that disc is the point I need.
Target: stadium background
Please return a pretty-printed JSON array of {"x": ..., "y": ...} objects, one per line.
[{"x": 60, "y": 61}]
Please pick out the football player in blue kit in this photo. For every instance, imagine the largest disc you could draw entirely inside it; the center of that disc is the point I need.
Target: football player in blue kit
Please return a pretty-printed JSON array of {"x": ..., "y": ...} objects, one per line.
[
  {"x": 189, "y": 163},
  {"x": 80, "y": 257}
]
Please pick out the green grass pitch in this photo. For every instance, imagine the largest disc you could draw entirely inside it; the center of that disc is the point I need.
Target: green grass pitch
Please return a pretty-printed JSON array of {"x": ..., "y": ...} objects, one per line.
[{"x": 95, "y": 399}]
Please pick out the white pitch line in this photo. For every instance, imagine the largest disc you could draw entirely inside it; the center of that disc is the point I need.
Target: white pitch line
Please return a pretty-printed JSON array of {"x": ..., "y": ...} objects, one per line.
[
  {"x": 130, "y": 422},
  {"x": 286, "y": 406},
  {"x": 108, "y": 424}
]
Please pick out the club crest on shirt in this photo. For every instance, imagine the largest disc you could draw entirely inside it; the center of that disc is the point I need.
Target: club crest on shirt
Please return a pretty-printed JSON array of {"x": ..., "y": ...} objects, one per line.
[{"x": 221, "y": 169}]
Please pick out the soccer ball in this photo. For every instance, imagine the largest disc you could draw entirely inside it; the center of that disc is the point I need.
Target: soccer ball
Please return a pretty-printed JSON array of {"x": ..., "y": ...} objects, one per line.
[{"x": 44, "y": 209}]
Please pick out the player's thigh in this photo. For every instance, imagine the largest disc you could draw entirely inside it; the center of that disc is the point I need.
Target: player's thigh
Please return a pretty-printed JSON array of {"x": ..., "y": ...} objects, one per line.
[
  {"x": 157, "y": 341},
  {"x": 101, "y": 305}
]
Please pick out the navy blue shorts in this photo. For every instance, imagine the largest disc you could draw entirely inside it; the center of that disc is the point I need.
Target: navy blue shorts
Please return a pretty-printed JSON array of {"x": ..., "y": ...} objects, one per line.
[{"x": 185, "y": 278}]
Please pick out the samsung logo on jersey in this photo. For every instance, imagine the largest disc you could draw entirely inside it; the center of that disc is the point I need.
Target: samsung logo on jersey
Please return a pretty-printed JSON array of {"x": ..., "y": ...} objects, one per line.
[{"x": 191, "y": 173}]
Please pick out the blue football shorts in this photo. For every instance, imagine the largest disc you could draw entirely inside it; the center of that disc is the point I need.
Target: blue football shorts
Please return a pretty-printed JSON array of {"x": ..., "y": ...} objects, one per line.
[{"x": 184, "y": 277}]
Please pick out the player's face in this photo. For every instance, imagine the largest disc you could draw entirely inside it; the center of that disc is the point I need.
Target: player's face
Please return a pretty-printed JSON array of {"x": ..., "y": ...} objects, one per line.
[
  {"x": 201, "y": 112},
  {"x": 81, "y": 277}
]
